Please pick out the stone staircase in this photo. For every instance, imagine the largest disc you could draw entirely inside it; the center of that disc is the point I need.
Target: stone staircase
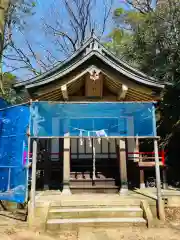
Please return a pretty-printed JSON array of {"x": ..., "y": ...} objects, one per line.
[
  {"x": 80, "y": 181},
  {"x": 95, "y": 213}
]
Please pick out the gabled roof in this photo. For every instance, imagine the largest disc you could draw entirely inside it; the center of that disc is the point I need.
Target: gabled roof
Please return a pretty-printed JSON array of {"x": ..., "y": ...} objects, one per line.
[{"x": 91, "y": 48}]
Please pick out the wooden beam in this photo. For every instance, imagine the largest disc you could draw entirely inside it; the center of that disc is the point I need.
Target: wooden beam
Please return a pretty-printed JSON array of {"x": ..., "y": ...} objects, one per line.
[
  {"x": 123, "y": 92},
  {"x": 148, "y": 164},
  {"x": 103, "y": 99},
  {"x": 123, "y": 166},
  {"x": 64, "y": 91},
  {"x": 66, "y": 166},
  {"x": 119, "y": 137}
]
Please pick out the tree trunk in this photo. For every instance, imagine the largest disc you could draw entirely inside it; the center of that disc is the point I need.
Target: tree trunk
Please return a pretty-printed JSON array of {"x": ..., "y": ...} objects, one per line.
[{"x": 3, "y": 11}]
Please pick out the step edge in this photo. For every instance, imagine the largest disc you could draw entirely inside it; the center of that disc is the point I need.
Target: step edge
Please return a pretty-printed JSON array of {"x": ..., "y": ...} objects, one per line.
[
  {"x": 63, "y": 210},
  {"x": 97, "y": 220}
]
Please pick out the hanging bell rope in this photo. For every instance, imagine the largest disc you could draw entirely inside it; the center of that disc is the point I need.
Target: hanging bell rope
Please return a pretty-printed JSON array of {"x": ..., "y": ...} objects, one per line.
[{"x": 81, "y": 138}]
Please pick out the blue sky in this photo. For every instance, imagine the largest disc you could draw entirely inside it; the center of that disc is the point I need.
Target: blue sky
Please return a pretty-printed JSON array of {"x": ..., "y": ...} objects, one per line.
[{"x": 47, "y": 11}]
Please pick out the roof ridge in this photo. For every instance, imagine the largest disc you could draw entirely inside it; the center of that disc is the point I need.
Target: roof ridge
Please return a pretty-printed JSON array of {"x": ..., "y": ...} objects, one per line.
[
  {"x": 57, "y": 65},
  {"x": 92, "y": 44}
]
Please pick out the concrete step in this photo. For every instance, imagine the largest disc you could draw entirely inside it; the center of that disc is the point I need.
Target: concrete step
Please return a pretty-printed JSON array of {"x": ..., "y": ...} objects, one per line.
[
  {"x": 112, "y": 212},
  {"x": 72, "y": 224}
]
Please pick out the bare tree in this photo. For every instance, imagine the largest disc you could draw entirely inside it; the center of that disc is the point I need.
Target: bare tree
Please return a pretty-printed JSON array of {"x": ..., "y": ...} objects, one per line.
[
  {"x": 69, "y": 23},
  {"x": 12, "y": 14},
  {"x": 81, "y": 18},
  {"x": 13, "y": 56},
  {"x": 4, "y": 5}
]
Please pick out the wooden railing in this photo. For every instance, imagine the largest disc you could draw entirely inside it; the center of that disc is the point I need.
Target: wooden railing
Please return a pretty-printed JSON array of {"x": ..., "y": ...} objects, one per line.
[{"x": 146, "y": 159}]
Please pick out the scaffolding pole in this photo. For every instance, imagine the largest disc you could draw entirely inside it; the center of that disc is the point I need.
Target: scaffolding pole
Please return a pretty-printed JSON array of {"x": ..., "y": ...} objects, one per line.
[
  {"x": 33, "y": 181},
  {"x": 160, "y": 204}
]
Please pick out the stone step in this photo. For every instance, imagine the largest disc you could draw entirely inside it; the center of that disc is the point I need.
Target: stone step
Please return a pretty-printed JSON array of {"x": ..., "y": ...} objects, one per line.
[
  {"x": 73, "y": 224},
  {"x": 95, "y": 203},
  {"x": 88, "y": 179},
  {"x": 95, "y": 190},
  {"x": 112, "y": 212}
]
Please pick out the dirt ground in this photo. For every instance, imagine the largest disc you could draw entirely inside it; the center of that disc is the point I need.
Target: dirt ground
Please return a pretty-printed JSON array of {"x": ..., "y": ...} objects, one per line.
[
  {"x": 11, "y": 229},
  {"x": 100, "y": 234},
  {"x": 15, "y": 230}
]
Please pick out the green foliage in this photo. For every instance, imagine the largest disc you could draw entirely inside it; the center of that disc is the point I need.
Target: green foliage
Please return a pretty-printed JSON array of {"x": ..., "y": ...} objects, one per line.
[
  {"x": 33, "y": 4},
  {"x": 154, "y": 46},
  {"x": 156, "y": 49},
  {"x": 9, "y": 93},
  {"x": 121, "y": 38},
  {"x": 117, "y": 41},
  {"x": 118, "y": 12}
]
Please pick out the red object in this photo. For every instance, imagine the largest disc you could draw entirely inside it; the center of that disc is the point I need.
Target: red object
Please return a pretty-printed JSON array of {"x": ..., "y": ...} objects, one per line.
[
  {"x": 163, "y": 157},
  {"x": 161, "y": 153}
]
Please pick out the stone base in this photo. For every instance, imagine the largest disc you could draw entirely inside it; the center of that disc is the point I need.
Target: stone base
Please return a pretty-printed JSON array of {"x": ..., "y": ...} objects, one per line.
[
  {"x": 46, "y": 187},
  {"x": 165, "y": 186},
  {"x": 123, "y": 190},
  {"x": 160, "y": 210},
  {"x": 66, "y": 190},
  {"x": 142, "y": 185}
]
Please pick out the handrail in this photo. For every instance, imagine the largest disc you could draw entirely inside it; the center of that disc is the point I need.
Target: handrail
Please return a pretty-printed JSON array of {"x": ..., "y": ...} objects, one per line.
[{"x": 161, "y": 155}]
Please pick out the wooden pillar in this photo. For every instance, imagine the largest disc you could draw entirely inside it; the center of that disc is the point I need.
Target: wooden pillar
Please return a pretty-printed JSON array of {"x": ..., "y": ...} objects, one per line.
[
  {"x": 141, "y": 177},
  {"x": 33, "y": 177},
  {"x": 66, "y": 166},
  {"x": 123, "y": 166},
  {"x": 141, "y": 170},
  {"x": 47, "y": 164},
  {"x": 164, "y": 176},
  {"x": 131, "y": 143},
  {"x": 164, "y": 170}
]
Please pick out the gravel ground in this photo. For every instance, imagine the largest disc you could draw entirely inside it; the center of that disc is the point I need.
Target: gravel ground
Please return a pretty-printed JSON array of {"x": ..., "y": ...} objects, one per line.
[{"x": 173, "y": 216}]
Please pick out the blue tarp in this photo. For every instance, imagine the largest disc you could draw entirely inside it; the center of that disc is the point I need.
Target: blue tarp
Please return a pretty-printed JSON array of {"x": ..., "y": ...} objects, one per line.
[
  {"x": 58, "y": 119},
  {"x": 3, "y": 103},
  {"x": 13, "y": 153},
  {"x": 92, "y": 119}
]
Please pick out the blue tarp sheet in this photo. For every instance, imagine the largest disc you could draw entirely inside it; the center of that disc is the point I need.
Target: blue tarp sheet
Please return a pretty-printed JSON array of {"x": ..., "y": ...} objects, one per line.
[
  {"x": 13, "y": 153},
  {"x": 3, "y": 103},
  {"x": 58, "y": 119},
  {"x": 92, "y": 119}
]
